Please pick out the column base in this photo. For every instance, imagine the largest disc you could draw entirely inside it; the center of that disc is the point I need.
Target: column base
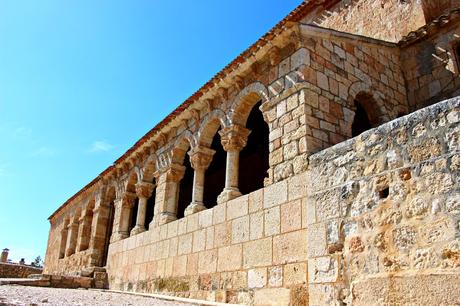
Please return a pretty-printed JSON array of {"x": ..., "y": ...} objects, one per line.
[
  {"x": 228, "y": 194},
  {"x": 166, "y": 217},
  {"x": 194, "y": 207},
  {"x": 137, "y": 230},
  {"x": 118, "y": 236}
]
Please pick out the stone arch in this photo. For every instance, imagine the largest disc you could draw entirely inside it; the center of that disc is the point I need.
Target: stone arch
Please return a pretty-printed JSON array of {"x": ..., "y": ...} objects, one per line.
[
  {"x": 110, "y": 194},
  {"x": 73, "y": 232},
  {"x": 132, "y": 179},
  {"x": 375, "y": 103},
  {"x": 149, "y": 169},
  {"x": 86, "y": 222},
  {"x": 245, "y": 101},
  {"x": 209, "y": 126},
  {"x": 367, "y": 105},
  {"x": 181, "y": 146},
  {"x": 149, "y": 173}
]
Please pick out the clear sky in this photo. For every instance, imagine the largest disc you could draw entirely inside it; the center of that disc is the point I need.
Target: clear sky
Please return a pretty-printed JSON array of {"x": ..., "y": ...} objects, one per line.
[{"x": 81, "y": 81}]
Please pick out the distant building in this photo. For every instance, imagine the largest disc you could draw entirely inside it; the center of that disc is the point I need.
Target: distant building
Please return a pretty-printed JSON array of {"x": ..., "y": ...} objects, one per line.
[{"x": 4, "y": 257}]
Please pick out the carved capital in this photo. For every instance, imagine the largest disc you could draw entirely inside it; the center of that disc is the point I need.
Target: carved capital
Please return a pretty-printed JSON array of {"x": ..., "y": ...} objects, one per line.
[
  {"x": 201, "y": 157},
  {"x": 234, "y": 137},
  {"x": 127, "y": 199},
  {"x": 144, "y": 189},
  {"x": 175, "y": 173}
]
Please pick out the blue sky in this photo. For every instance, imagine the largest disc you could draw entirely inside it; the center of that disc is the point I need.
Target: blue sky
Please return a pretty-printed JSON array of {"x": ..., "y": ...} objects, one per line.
[{"x": 81, "y": 81}]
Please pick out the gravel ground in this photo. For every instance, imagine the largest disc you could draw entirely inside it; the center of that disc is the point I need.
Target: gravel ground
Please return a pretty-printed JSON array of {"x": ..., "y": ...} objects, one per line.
[{"x": 22, "y": 295}]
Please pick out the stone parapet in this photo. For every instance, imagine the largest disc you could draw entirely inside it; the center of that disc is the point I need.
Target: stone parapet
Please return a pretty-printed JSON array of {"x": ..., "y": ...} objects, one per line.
[{"x": 8, "y": 270}]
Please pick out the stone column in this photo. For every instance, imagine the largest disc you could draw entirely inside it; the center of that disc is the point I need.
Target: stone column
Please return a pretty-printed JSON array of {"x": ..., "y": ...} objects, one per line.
[
  {"x": 168, "y": 193},
  {"x": 123, "y": 208},
  {"x": 234, "y": 138},
  {"x": 84, "y": 231},
  {"x": 99, "y": 231},
  {"x": 200, "y": 158},
  {"x": 144, "y": 191},
  {"x": 63, "y": 244},
  {"x": 72, "y": 237}
]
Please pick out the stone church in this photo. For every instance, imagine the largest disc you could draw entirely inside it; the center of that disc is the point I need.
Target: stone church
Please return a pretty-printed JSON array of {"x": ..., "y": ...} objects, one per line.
[{"x": 319, "y": 167}]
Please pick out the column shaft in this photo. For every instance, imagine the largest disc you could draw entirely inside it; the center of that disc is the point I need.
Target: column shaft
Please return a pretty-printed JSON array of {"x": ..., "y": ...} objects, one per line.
[
  {"x": 200, "y": 158},
  {"x": 234, "y": 139},
  {"x": 123, "y": 208}
]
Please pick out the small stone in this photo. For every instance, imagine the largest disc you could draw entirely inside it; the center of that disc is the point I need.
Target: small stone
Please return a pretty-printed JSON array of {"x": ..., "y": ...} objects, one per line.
[{"x": 356, "y": 245}]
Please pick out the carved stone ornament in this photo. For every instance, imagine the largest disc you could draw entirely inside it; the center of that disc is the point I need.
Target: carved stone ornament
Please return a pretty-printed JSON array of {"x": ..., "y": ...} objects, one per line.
[
  {"x": 144, "y": 189},
  {"x": 234, "y": 137},
  {"x": 175, "y": 173},
  {"x": 201, "y": 157},
  {"x": 128, "y": 198}
]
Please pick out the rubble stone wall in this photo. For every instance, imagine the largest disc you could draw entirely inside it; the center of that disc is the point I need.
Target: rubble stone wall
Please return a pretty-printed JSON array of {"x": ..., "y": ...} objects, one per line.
[
  {"x": 432, "y": 67},
  {"x": 388, "y": 20},
  {"x": 383, "y": 212},
  {"x": 17, "y": 271}
]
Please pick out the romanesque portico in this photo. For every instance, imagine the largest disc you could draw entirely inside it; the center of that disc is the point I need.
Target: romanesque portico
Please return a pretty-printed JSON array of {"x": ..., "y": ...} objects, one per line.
[{"x": 282, "y": 177}]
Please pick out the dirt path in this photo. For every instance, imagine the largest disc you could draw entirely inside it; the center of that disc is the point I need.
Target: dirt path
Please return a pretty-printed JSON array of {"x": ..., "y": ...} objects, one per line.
[{"x": 22, "y": 295}]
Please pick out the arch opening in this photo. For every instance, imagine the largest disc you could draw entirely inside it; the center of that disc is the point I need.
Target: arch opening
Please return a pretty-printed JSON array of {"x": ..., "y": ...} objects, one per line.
[
  {"x": 109, "y": 225},
  {"x": 87, "y": 227},
  {"x": 133, "y": 215},
  {"x": 366, "y": 114},
  {"x": 214, "y": 181},
  {"x": 63, "y": 242},
  {"x": 254, "y": 158},
  {"x": 185, "y": 188},
  {"x": 150, "y": 211}
]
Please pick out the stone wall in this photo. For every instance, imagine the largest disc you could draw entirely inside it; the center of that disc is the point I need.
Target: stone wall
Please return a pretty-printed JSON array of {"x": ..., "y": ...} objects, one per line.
[
  {"x": 308, "y": 85},
  {"x": 380, "y": 210},
  {"x": 388, "y": 20},
  {"x": 228, "y": 253},
  {"x": 313, "y": 103},
  {"x": 432, "y": 67},
  {"x": 383, "y": 213},
  {"x": 17, "y": 271}
]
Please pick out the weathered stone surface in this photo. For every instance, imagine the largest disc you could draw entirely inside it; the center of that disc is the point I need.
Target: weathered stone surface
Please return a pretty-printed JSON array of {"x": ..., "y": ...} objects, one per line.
[
  {"x": 17, "y": 271},
  {"x": 290, "y": 247},
  {"x": 341, "y": 206},
  {"x": 257, "y": 253}
]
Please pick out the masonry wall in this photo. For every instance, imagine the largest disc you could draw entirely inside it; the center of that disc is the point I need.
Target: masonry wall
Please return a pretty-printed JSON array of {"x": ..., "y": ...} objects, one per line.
[
  {"x": 377, "y": 211},
  {"x": 314, "y": 105},
  {"x": 383, "y": 214},
  {"x": 65, "y": 265},
  {"x": 17, "y": 271},
  {"x": 432, "y": 67},
  {"x": 225, "y": 253},
  {"x": 388, "y": 20},
  {"x": 308, "y": 86}
]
